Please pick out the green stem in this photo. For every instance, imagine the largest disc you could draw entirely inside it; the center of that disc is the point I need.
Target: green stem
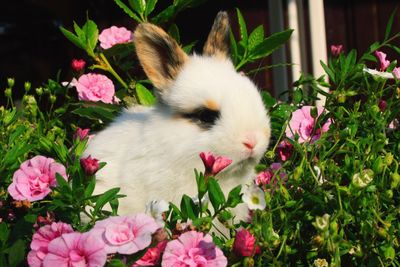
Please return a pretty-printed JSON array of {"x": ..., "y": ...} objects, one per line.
[{"x": 110, "y": 69}]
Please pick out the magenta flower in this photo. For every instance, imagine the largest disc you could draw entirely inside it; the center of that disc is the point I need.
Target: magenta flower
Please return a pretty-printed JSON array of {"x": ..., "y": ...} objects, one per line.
[
  {"x": 78, "y": 64},
  {"x": 212, "y": 164},
  {"x": 152, "y": 256},
  {"x": 382, "y": 105},
  {"x": 396, "y": 72},
  {"x": 264, "y": 178},
  {"x": 41, "y": 240},
  {"x": 33, "y": 179},
  {"x": 126, "y": 234},
  {"x": 114, "y": 35},
  {"x": 303, "y": 124},
  {"x": 81, "y": 133},
  {"x": 76, "y": 249},
  {"x": 284, "y": 150},
  {"x": 245, "y": 244},
  {"x": 95, "y": 87},
  {"x": 384, "y": 64},
  {"x": 90, "y": 165},
  {"x": 336, "y": 50},
  {"x": 193, "y": 249}
]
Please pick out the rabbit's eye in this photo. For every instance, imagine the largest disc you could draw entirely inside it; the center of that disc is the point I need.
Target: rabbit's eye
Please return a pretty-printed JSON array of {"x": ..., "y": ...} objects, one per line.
[{"x": 203, "y": 116}]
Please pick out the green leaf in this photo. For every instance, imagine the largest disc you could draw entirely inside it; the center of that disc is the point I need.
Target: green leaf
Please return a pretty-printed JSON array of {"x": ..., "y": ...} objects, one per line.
[
  {"x": 17, "y": 133},
  {"x": 145, "y": 96},
  {"x": 242, "y": 27},
  {"x": 127, "y": 10},
  {"x": 188, "y": 48},
  {"x": 328, "y": 71},
  {"x": 90, "y": 187},
  {"x": 150, "y": 5},
  {"x": 188, "y": 207},
  {"x": 15, "y": 152},
  {"x": 62, "y": 183},
  {"x": 234, "y": 197},
  {"x": 201, "y": 184},
  {"x": 116, "y": 263},
  {"x": 95, "y": 113},
  {"x": 174, "y": 32},
  {"x": 16, "y": 253},
  {"x": 91, "y": 33},
  {"x": 215, "y": 193},
  {"x": 270, "y": 44},
  {"x": 80, "y": 33},
  {"x": 73, "y": 38},
  {"x": 268, "y": 99},
  {"x": 138, "y": 5},
  {"x": 104, "y": 198},
  {"x": 164, "y": 15},
  {"x": 390, "y": 24},
  {"x": 256, "y": 37},
  {"x": 4, "y": 232},
  {"x": 234, "y": 49}
]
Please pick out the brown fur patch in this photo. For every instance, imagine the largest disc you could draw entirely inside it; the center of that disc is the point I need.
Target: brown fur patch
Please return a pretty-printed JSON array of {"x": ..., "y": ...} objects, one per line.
[
  {"x": 211, "y": 104},
  {"x": 217, "y": 43},
  {"x": 159, "y": 54}
]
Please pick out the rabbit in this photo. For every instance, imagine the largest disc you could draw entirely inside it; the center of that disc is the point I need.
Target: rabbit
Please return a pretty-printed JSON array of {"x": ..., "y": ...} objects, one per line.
[{"x": 203, "y": 105}]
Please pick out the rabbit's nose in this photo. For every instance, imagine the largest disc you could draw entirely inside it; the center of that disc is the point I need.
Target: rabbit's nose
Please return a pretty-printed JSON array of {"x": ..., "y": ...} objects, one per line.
[
  {"x": 248, "y": 145},
  {"x": 250, "y": 141}
]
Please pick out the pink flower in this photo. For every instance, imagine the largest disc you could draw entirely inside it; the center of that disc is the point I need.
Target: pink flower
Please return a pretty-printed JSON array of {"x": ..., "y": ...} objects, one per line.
[
  {"x": 152, "y": 256},
  {"x": 304, "y": 125},
  {"x": 245, "y": 244},
  {"x": 76, "y": 249},
  {"x": 81, "y": 133},
  {"x": 89, "y": 165},
  {"x": 41, "y": 240},
  {"x": 384, "y": 64},
  {"x": 396, "y": 72},
  {"x": 214, "y": 164},
  {"x": 33, "y": 179},
  {"x": 264, "y": 178},
  {"x": 193, "y": 249},
  {"x": 126, "y": 234},
  {"x": 284, "y": 150},
  {"x": 78, "y": 64},
  {"x": 114, "y": 35},
  {"x": 94, "y": 87},
  {"x": 336, "y": 50}
]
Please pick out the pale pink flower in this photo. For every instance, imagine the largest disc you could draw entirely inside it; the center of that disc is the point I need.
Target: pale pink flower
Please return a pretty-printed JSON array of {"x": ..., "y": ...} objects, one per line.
[
  {"x": 34, "y": 178},
  {"x": 152, "y": 256},
  {"x": 384, "y": 64},
  {"x": 89, "y": 165},
  {"x": 126, "y": 234},
  {"x": 78, "y": 64},
  {"x": 94, "y": 87},
  {"x": 76, "y": 249},
  {"x": 396, "y": 72},
  {"x": 212, "y": 164},
  {"x": 284, "y": 150},
  {"x": 114, "y": 35},
  {"x": 303, "y": 124},
  {"x": 193, "y": 249},
  {"x": 336, "y": 50},
  {"x": 245, "y": 244},
  {"x": 41, "y": 240}
]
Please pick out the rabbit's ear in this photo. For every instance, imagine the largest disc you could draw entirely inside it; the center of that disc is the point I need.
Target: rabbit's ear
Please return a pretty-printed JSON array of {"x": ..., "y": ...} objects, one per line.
[
  {"x": 217, "y": 43},
  {"x": 159, "y": 54}
]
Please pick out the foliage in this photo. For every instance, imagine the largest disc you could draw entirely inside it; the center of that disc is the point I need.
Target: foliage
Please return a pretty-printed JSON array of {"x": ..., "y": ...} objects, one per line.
[{"x": 335, "y": 199}]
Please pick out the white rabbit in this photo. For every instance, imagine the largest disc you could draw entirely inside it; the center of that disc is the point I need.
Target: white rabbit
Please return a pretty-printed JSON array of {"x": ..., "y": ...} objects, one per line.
[{"x": 204, "y": 105}]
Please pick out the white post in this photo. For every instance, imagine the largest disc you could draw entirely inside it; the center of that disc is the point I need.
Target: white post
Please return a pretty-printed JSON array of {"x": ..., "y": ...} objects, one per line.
[
  {"x": 295, "y": 40},
  {"x": 318, "y": 41}
]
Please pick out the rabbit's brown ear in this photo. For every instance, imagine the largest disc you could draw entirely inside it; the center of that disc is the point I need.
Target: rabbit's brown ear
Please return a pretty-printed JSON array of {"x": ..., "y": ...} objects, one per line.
[
  {"x": 217, "y": 43},
  {"x": 159, "y": 54}
]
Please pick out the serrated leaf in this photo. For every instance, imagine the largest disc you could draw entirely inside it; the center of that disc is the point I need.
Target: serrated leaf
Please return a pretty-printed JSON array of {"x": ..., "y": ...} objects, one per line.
[
  {"x": 104, "y": 198},
  {"x": 150, "y": 5},
  {"x": 73, "y": 38},
  {"x": 270, "y": 44},
  {"x": 256, "y": 37},
  {"x": 215, "y": 193},
  {"x": 242, "y": 27},
  {"x": 145, "y": 96},
  {"x": 127, "y": 10},
  {"x": 138, "y": 5},
  {"x": 92, "y": 34},
  {"x": 174, "y": 32}
]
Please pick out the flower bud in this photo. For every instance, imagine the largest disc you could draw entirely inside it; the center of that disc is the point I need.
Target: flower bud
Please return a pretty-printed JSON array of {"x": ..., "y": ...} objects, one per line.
[
  {"x": 244, "y": 244},
  {"x": 27, "y": 86},
  {"x": 53, "y": 99},
  {"x": 362, "y": 179},
  {"x": 341, "y": 98},
  {"x": 298, "y": 172},
  {"x": 90, "y": 165},
  {"x": 382, "y": 105},
  {"x": 395, "y": 180},
  {"x": 389, "y": 159},
  {"x": 322, "y": 223},
  {"x": 81, "y": 133},
  {"x": 39, "y": 91},
  {"x": 78, "y": 64},
  {"x": 8, "y": 92},
  {"x": 10, "y": 82},
  {"x": 336, "y": 50}
]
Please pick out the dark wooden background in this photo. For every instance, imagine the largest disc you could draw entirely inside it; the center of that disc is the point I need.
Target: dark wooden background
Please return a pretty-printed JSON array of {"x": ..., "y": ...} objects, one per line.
[{"x": 33, "y": 49}]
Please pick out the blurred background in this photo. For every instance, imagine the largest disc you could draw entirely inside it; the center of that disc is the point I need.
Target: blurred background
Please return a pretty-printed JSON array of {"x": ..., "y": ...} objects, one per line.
[{"x": 33, "y": 49}]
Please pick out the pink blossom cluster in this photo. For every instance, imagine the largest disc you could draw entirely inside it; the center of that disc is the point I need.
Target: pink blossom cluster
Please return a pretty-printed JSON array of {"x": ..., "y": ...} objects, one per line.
[
  {"x": 384, "y": 64},
  {"x": 214, "y": 164},
  {"x": 272, "y": 174},
  {"x": 114, "y": 35},
  {"x": 95, "y": 87},
  {"x": 245, "y": 244}
]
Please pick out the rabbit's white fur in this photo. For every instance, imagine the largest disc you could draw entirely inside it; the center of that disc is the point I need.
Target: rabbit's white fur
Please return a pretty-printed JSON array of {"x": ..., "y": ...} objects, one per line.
[{"x": 151, "y": 152}]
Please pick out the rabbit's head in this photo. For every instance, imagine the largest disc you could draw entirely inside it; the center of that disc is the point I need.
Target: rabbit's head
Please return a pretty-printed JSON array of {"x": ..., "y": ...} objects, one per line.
[{"x": 207, "y": 92}]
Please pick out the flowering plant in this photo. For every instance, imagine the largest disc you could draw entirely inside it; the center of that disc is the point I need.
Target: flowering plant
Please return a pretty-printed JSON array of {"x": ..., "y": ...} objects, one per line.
[{"x": 326, "y": 192}]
